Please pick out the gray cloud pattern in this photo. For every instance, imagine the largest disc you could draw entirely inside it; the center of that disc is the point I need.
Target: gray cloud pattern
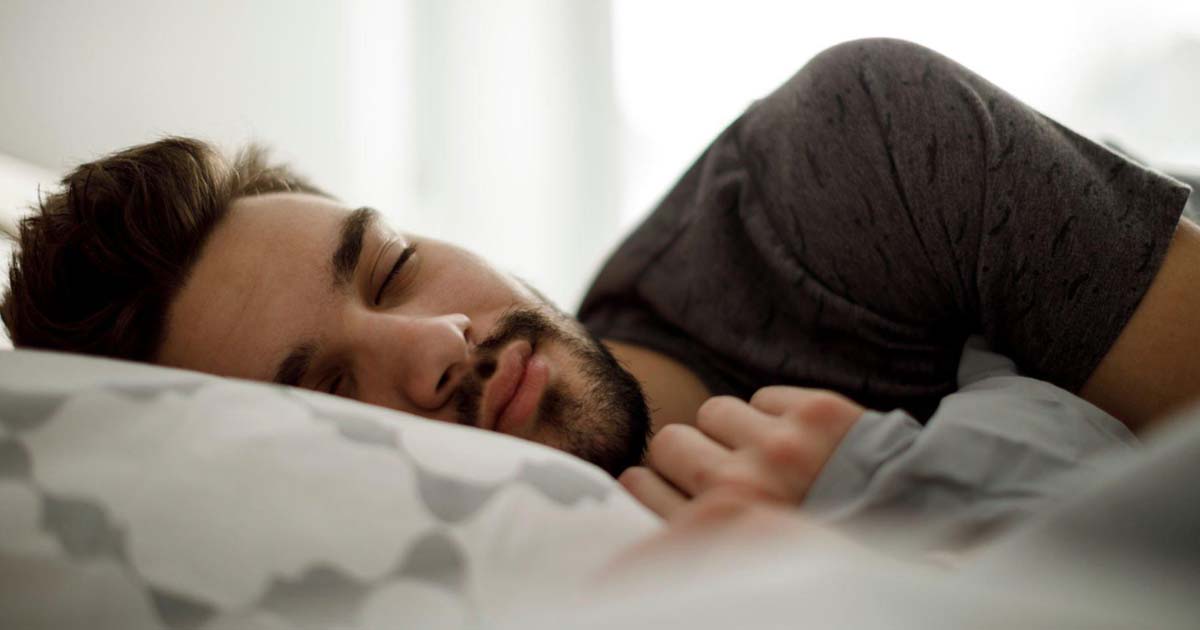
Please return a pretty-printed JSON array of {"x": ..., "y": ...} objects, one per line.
[{"x": 326, "y": 591}]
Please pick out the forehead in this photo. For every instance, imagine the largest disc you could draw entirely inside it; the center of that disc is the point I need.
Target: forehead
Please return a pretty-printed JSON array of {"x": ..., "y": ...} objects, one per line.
[
  {"x": 262, "y": 280},
  {"x": 278, "y": 222}
]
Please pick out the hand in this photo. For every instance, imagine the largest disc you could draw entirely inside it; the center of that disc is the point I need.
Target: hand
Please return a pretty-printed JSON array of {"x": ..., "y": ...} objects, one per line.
[{"x": 769, "y": 450}]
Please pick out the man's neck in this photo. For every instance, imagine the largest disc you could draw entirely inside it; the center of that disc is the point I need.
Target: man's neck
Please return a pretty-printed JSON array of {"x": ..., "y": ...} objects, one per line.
[{"x": 673, "y": 392}]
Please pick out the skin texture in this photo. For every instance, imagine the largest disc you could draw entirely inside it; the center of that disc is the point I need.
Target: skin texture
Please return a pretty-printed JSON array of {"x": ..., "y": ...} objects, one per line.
[
  {"x": 262, "y": 287},
  {"x": 673, "y": 392},
  {"x": 768, "y": 450},
  {"x": 1151, "y": 370}
]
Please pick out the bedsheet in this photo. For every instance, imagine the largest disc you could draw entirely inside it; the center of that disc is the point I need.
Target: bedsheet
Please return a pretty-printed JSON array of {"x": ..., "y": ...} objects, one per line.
[
  {"x": 136, "y": 496},
  {"x": 1119, "y": 551}
]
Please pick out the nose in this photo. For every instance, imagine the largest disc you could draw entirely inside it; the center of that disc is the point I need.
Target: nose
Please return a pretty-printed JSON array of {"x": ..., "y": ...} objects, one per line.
[{"x": 420, "y": 359}]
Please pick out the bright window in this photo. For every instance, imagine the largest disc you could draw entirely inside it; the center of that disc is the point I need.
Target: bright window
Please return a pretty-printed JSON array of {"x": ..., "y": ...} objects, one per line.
[{"x": 1117, "y": 70}]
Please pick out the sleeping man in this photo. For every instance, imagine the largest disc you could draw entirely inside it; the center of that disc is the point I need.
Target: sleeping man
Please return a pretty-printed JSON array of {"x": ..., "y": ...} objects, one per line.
[{"x": 832, "y": 251}]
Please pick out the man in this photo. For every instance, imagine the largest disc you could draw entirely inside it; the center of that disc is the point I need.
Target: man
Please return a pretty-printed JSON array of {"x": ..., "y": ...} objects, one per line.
[{"x": 848, "y": 233}]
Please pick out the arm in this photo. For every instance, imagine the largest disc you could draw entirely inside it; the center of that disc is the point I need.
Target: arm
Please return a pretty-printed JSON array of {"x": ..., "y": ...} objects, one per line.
[
  {"x": 981, "y": 216},
  {"x": 995, "y": 452},
  {"x": 1152, "y": 368}
]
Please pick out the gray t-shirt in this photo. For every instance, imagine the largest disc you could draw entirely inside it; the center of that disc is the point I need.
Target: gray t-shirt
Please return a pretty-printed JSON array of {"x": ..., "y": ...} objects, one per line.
[{"x": 851, "y": 230}]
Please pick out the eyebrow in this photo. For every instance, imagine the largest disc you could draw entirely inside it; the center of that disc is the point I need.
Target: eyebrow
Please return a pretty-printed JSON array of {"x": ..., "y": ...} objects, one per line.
[
  {"x": 343, "y": 263},
  {"x": 292, "y": 369},
  {"x": 350, "y": 245}
]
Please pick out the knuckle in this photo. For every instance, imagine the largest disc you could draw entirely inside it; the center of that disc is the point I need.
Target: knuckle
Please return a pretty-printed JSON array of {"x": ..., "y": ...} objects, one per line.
[
  {"x": 762, "y": 394},
  {"x": 635, "y": 480},
  {"x": 724, "y": 474},
  {"x": 719, "y": 507},
  {"x": 706, "y": 422},
  {"x": 735, "y": 481},
  {"x": 702, "y": 477},
  {"x": 666, "y": 441},
  {"x": 669, "y": 436},
  {"x": 635, "y": 476},
  {"x": 822, "y": 408},
  {"x": 716, "y": 407},
  {"x": 787, "y": 449}
]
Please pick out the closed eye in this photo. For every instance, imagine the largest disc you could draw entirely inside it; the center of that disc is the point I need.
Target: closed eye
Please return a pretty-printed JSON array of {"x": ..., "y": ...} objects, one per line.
[{"x": 404, "y": 256}]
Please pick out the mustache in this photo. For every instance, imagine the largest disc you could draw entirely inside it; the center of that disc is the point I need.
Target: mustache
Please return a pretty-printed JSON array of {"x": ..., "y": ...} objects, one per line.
[{"x": 518, "y": 323}]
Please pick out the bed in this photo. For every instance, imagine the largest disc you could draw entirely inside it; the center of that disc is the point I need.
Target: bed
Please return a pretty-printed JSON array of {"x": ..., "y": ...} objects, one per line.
[{"x": 137, "y": 496}]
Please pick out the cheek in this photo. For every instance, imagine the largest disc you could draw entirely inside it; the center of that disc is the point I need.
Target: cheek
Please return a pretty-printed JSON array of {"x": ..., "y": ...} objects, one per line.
[
  {"x": 480, "y": 293},
  {"x": 465, "y": 283}
]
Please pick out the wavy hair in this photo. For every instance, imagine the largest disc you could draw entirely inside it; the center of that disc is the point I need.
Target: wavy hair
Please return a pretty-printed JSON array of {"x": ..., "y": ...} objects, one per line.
[{"x": 99, "y": 261}]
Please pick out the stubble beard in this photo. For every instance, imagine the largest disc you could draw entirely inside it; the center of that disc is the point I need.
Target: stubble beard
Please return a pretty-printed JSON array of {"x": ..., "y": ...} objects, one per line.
[{"x": 607, "y": 423}]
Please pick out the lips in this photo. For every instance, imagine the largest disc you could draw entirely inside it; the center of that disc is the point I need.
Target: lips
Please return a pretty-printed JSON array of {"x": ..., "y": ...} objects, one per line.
[{"x": 512, "y": 394}]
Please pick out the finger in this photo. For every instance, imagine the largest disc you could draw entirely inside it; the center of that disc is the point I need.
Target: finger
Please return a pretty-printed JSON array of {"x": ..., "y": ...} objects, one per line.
[
  {"x": 733, "y": 423},
  {"x": 714, "y": 508},
  {"x": 652, "y": 491},
  {"x": 685, "y": 457},
  {"x": 814, "y": 407}
]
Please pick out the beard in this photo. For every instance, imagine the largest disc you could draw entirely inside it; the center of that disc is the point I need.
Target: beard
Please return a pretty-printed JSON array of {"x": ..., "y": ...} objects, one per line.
[{"x": 606, "y": 423}]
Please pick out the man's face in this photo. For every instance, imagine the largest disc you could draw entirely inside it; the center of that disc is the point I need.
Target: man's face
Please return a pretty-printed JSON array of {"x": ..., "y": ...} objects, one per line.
[{"x": 299, "y": 290}]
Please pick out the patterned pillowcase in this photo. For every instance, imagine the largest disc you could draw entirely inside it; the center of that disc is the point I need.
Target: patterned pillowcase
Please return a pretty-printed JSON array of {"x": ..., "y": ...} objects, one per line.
[{"x": 134, "y": 496}]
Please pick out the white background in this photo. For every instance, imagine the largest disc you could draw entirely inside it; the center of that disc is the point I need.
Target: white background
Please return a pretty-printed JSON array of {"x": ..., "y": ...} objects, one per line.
[{"x": 538, "y": 131}]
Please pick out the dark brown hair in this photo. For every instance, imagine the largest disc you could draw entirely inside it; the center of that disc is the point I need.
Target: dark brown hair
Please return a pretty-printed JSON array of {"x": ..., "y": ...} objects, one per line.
[{"x": 99, "y": 261}]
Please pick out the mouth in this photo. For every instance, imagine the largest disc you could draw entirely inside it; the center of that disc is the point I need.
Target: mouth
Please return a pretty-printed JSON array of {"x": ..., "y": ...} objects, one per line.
[{"x": 513, "y": 392}]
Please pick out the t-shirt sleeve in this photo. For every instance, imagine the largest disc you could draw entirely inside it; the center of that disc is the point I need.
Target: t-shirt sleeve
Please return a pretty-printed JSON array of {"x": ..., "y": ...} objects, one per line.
[
  {"x": 929, "y": 196},
  {"x": 853, "y": 228}
]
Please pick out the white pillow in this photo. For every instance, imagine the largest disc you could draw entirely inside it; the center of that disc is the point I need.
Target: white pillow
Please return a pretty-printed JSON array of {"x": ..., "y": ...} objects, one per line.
[{"x": 138, "y": 496}]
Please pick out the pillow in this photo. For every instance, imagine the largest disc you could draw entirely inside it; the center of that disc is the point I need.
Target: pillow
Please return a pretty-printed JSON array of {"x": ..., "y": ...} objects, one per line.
[{"x": 136, "y": 496}]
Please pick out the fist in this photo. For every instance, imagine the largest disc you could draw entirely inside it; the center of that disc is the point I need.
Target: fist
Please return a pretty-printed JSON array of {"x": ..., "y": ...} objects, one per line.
[{"x": 770, "y": 449}]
